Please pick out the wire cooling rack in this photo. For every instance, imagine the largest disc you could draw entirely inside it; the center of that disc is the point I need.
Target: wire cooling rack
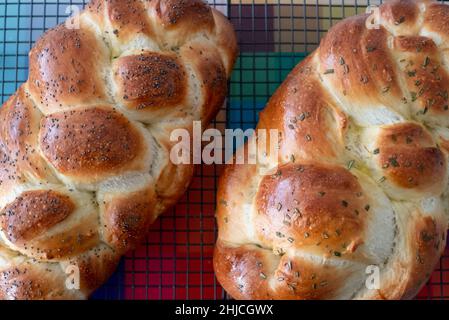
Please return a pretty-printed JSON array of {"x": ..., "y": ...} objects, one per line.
[{"x": 175, "y": 262}]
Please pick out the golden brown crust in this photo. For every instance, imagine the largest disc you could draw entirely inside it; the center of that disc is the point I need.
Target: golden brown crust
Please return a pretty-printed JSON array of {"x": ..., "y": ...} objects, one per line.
[
  {"x": 173, "y": 179},
  {"x": 127, "y": 218},
  {"x": 168, "y": 194},
  {"x": 31, "y": 280},
  {"x": 19, "y": 127},
  {"x": 425, "y": 76},
  {"x": 227, "y": 42},
  {"x": 359, "y": 183},
  {"x": 424, "y": 245},
  {"x": 304, "y": 113},
  {"x": 50, "y": 224},
  {"x": 401, "y": 13},
  {"x": 300, "y": 279},
  {"x": 95, "y": 267},
  {"x": 241, "y": 263},
  {"x": 34, "y": 282},
  {"x": 89, "y": 141},
  {"x": 233, "y": 184},
  {"x": 249, "y": 272},
  {"x": 415, "y": 44},
  {"x": 429, "y": 238},
  {"x": 409, "y": 157},
  {"x": 185, "y": 13},
  {"x": 64, "y": 69},
  {"x": 33, "y": 212},
  {"x": 210, "y": 74},
  {"x": 128, "y": 18},
  {"x": 84, "y": 144},
  {"x": 436, "y": 19},
  {"x": 364, "y": 70},
  {"x": 312, "y": 205},
  {"x": 63, "y": 245},
  {"x": 150, "y": 80},
  {"x": 9, "y": 175}
]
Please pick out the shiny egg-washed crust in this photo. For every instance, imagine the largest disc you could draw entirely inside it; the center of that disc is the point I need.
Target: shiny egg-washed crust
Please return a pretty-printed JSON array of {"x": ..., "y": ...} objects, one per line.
[
  {"x": 85, "y": 143},
  {"x": 359, "y": 186}
]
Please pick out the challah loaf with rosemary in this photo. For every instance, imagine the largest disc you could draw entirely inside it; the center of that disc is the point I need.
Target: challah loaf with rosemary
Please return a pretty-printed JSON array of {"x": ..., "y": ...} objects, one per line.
[
  {"x": 85, "y": 142},
  {"x": 355, "y": 205}
]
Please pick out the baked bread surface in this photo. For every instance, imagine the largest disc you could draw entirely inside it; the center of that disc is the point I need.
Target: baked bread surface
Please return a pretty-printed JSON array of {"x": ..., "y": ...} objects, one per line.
[
  {"x": 85, "y": 142},
  {"x": 359, "y": 187}
]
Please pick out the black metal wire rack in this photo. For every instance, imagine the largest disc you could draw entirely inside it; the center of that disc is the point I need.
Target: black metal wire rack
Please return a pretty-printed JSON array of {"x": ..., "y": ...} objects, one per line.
[{"x": 175, "y": 262}]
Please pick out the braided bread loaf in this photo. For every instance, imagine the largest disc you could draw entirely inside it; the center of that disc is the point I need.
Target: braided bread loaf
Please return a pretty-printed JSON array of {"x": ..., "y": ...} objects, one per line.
[
  {"x": 85, "y": 142},
  {"x": 361, "y": 184}
]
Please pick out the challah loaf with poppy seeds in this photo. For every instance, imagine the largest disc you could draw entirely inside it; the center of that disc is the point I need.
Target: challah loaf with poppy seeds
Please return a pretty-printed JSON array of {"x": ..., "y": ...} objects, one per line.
[
  {"x": 359, "y": 188},
  {"x": 85, "y": 142}
]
